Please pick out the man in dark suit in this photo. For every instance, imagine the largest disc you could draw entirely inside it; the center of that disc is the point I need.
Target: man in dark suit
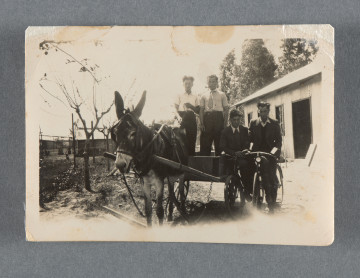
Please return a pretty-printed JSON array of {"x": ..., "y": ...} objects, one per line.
[
  {"x": 265, "y": 136},
  {"x": 235, "y": 141}
]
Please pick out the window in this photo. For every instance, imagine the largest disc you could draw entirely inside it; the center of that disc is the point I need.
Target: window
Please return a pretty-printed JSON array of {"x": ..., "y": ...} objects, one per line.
[
  {"x": 249, "y": 118},
  {"x": 279, "y": 111}
]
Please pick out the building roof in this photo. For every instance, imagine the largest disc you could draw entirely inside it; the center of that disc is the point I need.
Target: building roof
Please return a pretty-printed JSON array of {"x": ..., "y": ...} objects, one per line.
[{"x": 291, "y": 78}]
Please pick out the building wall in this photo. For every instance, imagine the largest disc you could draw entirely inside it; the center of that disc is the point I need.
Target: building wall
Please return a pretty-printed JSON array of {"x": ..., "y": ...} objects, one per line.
[{"x": 310, "y": 88}]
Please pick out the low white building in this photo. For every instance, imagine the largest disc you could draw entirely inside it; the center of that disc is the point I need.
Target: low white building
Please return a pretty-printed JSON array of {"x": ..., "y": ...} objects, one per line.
[{"x": 297, "y": 101}]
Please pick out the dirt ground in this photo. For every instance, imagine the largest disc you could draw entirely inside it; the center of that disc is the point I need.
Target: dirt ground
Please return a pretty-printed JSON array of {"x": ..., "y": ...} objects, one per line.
[{"x": 62, "y": 193}]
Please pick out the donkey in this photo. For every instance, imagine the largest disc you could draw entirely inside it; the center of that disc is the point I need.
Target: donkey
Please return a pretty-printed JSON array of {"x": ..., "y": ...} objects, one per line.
[{"x": 136, "y": 145}]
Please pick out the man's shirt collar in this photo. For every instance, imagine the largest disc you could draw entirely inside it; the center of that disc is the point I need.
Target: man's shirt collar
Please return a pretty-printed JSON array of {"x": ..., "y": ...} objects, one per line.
[
  {"x": 264, "y": 124},
  {"x": 234, "y": 129}
]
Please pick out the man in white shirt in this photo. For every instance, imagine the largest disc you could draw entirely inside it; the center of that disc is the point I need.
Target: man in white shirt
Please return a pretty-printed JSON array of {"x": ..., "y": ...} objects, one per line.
[
  {"x": 187, "y": 105},
  {"x": 213, "y": 117}
]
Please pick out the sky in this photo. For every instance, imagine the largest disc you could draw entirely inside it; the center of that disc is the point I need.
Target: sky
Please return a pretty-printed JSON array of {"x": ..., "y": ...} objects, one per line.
[{"x": 130, "y": 60}]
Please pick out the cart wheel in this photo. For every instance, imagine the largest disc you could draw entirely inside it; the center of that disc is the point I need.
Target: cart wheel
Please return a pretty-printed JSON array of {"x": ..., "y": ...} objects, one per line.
[
  {"x": 258, "y": 191},
  {"x": 234, "y": 199},
  {"x": 177, "y": 190},
  {"x": 279, "y": 175},
  {"x": 177, "y": 201}
]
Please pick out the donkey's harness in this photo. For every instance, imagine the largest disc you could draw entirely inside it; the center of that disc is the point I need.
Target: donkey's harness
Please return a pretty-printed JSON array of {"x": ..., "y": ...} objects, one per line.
[{"x": 138, "y": 156}]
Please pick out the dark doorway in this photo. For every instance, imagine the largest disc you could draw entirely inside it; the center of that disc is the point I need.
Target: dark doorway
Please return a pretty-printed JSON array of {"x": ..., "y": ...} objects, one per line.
[{"x": 301, "y": 127}]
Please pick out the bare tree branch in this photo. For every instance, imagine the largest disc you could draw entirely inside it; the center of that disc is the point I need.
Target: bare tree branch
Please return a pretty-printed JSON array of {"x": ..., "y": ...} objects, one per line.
[
  {"x": 42, "y": 87},
  {"x": 83, "y": 67},
  {"x": 99, "y": 118},
  {"x": 83, "y": 122}
]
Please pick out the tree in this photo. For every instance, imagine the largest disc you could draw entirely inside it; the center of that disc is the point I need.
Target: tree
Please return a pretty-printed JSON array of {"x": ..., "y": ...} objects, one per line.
[
  {"x": 230, "y": 76},
  {"x": 71, "y": 97},
  {"x": 296, "y": 54},
  {"x": 257, "y": 67},
  {"x": 106, "y": 130}
]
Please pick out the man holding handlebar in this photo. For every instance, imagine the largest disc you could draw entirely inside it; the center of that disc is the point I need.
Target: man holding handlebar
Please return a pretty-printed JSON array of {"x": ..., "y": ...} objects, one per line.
[
  {"x": 265, "y": 136},
  {"x": 235, "y": 141}
]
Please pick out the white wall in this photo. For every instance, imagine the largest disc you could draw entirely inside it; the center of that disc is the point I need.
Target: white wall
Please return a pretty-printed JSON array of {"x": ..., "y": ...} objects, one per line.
[{"x": 310, "y": 88}]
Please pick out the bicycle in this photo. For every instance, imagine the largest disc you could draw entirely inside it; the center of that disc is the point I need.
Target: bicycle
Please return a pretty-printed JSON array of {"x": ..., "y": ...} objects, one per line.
[
  {"x": 258, "y": 191},
  {"x": 234, "y": 189}
]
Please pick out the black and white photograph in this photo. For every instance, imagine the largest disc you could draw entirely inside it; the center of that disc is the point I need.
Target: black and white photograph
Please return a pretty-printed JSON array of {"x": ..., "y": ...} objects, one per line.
[{"x": 218, "y": 134}]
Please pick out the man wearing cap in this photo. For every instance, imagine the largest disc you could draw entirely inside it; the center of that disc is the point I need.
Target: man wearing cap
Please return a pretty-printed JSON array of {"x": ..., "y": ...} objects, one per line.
[
  {"x": 213, "y": 117},
  {"x": 235, "y": 141},
  {"x": 265, "y": 136},
  {"x": 187, "y": 105}
]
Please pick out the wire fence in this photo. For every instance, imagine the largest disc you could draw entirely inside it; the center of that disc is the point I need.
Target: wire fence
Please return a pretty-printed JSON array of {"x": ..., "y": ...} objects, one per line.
[{"x": 60, "y": 145}]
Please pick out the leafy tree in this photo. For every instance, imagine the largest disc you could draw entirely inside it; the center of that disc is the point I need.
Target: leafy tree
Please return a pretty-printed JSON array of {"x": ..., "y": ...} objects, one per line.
[
  {"x": 257, "y": 67},
  {"x": 296, "y": 54},
  {"x": 230, "y": 76}
]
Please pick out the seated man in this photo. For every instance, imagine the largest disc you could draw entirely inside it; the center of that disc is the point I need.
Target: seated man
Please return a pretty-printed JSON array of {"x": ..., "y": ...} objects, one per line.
[
  {"x": 235, "y": 141},
  {"x": 265, "y": 136}
]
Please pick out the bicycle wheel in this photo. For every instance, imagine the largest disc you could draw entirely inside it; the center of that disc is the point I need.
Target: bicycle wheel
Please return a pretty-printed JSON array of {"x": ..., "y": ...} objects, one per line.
[
  {"x": 234, "y": 201},
  {"x": 280, "y": 186},
  {"x": 258, "y": 192}
]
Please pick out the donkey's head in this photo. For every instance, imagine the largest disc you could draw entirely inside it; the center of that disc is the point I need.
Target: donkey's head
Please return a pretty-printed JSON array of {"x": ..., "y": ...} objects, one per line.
[{"x": 126, "y": 131}]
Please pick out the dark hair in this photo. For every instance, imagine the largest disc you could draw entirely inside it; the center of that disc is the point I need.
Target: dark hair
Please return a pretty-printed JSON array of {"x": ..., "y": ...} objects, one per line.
[
  {"x": 235, "y": 113},
  {"x": 263, "y": 104},
  {"x": 213, "y": 76},
  {"x": 188, "y": 78}
]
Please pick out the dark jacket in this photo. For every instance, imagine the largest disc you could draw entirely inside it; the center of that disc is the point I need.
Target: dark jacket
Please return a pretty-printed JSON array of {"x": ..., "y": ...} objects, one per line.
[
  {"x": 272, "y": 135},
  {"x": 230, "y": 143}
]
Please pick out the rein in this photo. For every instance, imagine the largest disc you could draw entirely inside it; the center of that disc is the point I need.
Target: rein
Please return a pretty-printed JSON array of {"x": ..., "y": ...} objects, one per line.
[{"x": 131, "y": 195}]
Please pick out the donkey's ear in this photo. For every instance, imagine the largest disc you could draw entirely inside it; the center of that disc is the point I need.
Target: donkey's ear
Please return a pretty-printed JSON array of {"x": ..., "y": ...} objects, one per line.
[
  {"x": 139, "y": 107},
  {"x": 119, "y": 105}
]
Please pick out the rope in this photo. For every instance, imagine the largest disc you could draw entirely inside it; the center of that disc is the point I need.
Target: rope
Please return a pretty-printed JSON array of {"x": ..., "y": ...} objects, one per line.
[{"x": 131, "y": 195}]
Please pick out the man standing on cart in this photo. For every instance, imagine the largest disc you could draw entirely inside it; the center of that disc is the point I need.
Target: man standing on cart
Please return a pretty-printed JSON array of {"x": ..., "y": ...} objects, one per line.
[
  {"x": 187, "y": 105},
  {"x": 213, "y": 117},
  {"x": 265, "y": 136},
  {"x": 235, "y": 141}
]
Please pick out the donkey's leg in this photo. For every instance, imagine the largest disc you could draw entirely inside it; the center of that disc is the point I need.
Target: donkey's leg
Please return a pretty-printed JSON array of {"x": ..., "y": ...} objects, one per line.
[
  {"x": 147, "y": 199},
  {"x": 171, "y": 210},
  {"x": 182, "y": 192},
  {"x": 171, "y": 203},
  {"x": 159, "y": 185}
]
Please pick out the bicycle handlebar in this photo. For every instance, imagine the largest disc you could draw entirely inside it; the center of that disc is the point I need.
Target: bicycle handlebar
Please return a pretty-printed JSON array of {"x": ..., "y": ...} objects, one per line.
[
  {"x": 262, "y": 153},
  {"x": 252, "y": 154}
]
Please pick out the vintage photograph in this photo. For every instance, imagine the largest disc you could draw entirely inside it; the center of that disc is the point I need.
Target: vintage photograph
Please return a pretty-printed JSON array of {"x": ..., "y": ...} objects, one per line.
[{"x": 219, "y": 134}]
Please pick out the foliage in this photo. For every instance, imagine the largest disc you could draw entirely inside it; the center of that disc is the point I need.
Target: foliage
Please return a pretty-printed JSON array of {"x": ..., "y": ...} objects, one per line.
[
  {"x": 230, "y": 76},
  {"x": 296, "y": 54},
  {"x": 257, "y": 67},
  {"x": 255, "y": 70}
]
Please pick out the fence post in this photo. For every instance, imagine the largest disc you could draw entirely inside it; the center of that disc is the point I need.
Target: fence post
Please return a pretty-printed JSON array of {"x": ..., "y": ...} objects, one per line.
[
  {"x": 107, "y": 150},
  {"x": 73, "y": 134}
]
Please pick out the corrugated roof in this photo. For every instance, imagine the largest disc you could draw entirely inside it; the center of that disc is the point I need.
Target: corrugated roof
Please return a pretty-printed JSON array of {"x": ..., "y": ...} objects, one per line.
[{"x": 293, "y": 77}]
